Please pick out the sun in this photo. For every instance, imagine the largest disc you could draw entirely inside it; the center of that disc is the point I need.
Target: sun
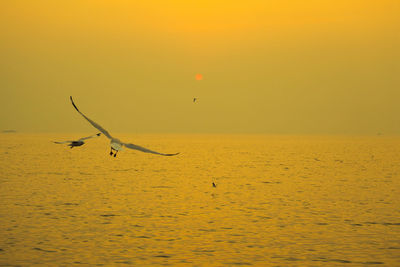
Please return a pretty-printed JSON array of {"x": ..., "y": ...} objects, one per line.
[{"x": 199, "y": 77}]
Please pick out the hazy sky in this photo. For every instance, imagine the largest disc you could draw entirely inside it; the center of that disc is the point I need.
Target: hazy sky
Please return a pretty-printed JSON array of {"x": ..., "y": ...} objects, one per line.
[{"x": 268, "y": 66}]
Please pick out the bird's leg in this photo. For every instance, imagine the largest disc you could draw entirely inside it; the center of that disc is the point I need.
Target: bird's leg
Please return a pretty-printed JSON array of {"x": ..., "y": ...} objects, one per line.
[
  {"x": 111, "y": 152},
  {"x": 115, "y": 153}
]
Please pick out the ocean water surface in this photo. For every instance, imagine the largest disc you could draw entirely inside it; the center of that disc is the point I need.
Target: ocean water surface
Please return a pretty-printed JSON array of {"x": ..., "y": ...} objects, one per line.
[{"x": 278, "y": 201}]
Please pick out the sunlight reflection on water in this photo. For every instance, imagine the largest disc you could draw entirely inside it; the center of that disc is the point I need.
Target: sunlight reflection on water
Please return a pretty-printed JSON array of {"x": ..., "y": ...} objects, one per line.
[{"x": 277, "y": 201}]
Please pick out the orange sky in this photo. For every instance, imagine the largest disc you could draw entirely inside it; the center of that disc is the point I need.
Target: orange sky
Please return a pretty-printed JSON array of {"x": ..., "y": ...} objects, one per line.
[{"x": 268, "y": 66}]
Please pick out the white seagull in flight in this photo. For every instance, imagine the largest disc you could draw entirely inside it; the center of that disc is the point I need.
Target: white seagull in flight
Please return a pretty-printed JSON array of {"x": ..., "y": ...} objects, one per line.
[
  {"x": 78, "y": 142},
  {"x": 115, "y": 143}
]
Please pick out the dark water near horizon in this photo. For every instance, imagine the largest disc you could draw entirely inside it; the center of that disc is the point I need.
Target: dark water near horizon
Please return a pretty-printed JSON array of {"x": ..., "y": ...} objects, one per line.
[{"x": 279, "y": 201}]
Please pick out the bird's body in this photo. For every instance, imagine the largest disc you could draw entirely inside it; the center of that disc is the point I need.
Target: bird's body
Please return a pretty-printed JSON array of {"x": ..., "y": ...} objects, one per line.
[
  {"x": 115, "y": 143},
  {"x": 76, "y": 143},
  {"x": 79, "y": 142}
]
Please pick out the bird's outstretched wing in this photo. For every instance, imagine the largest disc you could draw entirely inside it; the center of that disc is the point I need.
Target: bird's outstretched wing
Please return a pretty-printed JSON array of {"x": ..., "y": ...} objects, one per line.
[
  {"x": 143, "y": 149},
  {"x": 95, "y": 125},
  {"x": 64, "y": 142},
  {"x": 84, "y": 138}
]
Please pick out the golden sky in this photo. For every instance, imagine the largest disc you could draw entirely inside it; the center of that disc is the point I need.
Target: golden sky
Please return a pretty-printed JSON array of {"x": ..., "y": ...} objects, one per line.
[{"x": 278, "y": 67}]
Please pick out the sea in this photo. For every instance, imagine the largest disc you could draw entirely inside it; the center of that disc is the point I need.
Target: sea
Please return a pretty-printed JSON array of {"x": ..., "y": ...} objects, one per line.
[{"x": 276, "y": 201}]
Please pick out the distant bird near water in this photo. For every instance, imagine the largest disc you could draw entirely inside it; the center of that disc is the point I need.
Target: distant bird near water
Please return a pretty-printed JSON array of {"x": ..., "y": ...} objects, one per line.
[
  {"x": 78, "y": 142},
  {"x": 116, "y": 144}
]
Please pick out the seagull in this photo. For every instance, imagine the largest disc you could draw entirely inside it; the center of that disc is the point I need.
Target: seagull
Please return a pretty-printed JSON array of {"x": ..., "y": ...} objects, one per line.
[
  {"x": 116, "y": 144},
  {"x": 78, "y": 142}
]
